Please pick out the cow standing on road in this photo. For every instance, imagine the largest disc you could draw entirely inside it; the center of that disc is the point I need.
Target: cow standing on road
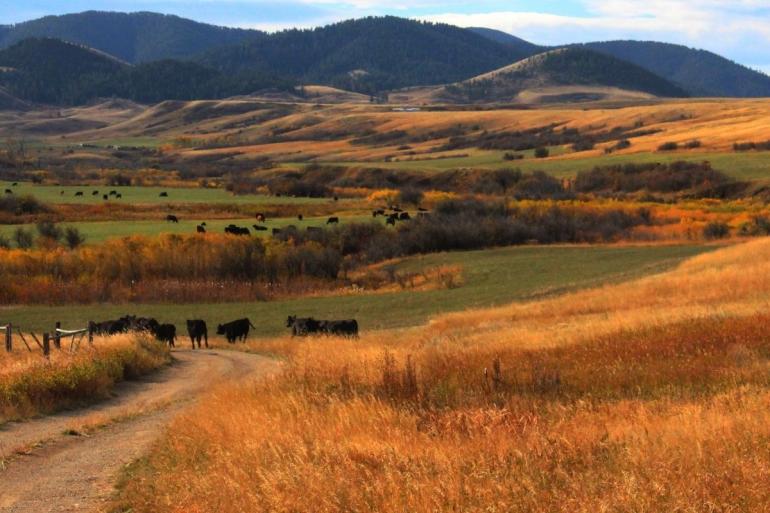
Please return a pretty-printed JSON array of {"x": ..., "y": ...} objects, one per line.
[
  {"x": 197, "y": 330},
  {"x": 235, "y": 330}
]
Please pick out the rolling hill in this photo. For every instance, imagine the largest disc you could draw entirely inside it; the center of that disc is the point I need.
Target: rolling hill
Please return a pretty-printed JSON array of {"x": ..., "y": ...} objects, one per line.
[
  {"x": 56, "y": 72},
  {"x": 566, "y": 74},
  {"x": 370, "y": 54},
  {"x": 699, "y": 72},
  {"x": 525, "y": 48},
  {"x": 132, "y": 37}
]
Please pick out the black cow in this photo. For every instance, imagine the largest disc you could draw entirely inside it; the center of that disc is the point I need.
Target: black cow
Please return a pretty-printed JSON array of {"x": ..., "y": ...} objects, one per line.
[
  {"x": 163, "y": 195},
  {"x": 333, "y": 220},
  {"x": 376, "y": 213},
  {"x": 237, "y": 230},
  {"x": 396, "y": 209},
  {"x": 166, "y": 333},
  {"x": 346, "y": 328},
  {"x": 95, "y": 193},
  {"x": 404, "y": 216},
  {"x": 118, "y": 196},
  {"x": 260, "y": 228},
  {"x": 172, "y": 218},
  {"x": 79, "y": 193},
  {"x": 235, "y": 329},
  {"x": 197, "y": 329},
  {"x": 8, "y": 191},
  {"x": 200, "y": 229},
  {"x": 303, "y": 326},
  {"x": 391, "y": 221},
  {"x": 300, "y": 217},
  {"x": 113, "y": 193},
  {"x": 105, "y": 197},
  {"x": 203, "y": 223},
  {"x": 61, "y": 193},
  {"x": 420, "y": 209},
  {"x": 15, "y": 184}
]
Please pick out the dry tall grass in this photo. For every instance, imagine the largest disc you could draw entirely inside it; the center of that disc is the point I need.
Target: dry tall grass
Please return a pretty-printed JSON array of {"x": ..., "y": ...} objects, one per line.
[
  {"x": 31, "y": 384},
  {"x": 641, "y": 397}
]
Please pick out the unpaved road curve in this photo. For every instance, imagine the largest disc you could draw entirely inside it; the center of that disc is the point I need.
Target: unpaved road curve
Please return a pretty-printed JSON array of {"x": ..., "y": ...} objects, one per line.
[{"x": 77, "y": 473}]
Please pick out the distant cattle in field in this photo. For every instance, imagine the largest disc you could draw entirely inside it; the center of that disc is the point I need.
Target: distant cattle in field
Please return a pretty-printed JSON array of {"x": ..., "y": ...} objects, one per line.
[
  {"x": 61, "y": 193},
  {"x": 378, "y": 212},
  {"x": 396, "y": 209},
  {"x": 163, "y": 195},
  {"x": 277, "y": 231},
  {"x": 300, "y": 217},
  {"x": 105, "y": 197},
  {"x": 333, "y": 220},
  {"x": 15, "y": 184},
  {"x": 345, "y": 328},
  {"x": 197, "y": 330},
  {"x": 336, "y": 198},
  {"x": 171, "y": 218},
  {"x": 118, "y": 196},
  {"x": 235, "y": 330},
  {"x": 203, "y": 223},
  {"x": 391, "y": 221},
  {"x": 260, "y": 217},
  {"x": 200, "y": 229},
  {"x": 302, "y": 326},
  {"x": 95, "y": 193},
  {"x": 79, "y": 193},
  {"x": 260, "y": 228},
  {"x": 8, "y": 191},
  {"x": 166, "y": 333},
  {"x": 113, "y": 193},
  {"x": 404, "y": 216},
  {"x": 237, "y": 230},
  {"x": 420, "y": 209}
]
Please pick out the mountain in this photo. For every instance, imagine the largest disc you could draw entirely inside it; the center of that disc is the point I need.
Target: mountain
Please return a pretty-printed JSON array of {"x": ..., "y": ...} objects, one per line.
[
  {"x": 525, "y": 48},
  {"x": 132, "y": 37},
  {"x": 699, "y": 72},
  {"x": 369, "y": 55},
  {"x": 567, "y": 73},
  {"x": 56, "y": 72}
]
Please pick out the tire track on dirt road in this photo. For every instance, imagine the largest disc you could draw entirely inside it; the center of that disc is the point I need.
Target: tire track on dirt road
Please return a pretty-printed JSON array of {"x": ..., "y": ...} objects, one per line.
[{"x": 78, "y": 473}]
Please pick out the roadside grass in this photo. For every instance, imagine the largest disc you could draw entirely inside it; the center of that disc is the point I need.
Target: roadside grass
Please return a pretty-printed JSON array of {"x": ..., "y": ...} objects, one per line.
[
  {"x": 490, "y": 277},
  {"x": 751, "y": 166},
  {"x": 31, "y": 384},
  {"x": 151, "y": 195},
  {"x": 649, "y": 395}
]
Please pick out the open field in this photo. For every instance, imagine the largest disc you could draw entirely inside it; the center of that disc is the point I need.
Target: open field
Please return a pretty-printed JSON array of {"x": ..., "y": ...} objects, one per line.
[
  {"x": 151, "y": 195},
  {"x": 489, "y": 277}
]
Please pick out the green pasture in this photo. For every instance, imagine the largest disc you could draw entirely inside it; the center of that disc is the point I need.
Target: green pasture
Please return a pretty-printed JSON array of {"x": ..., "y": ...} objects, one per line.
[
  {"x": 491, "y": 277},
  {"x": 151, "y": 195},
  {"x": 749, "y": 166}
]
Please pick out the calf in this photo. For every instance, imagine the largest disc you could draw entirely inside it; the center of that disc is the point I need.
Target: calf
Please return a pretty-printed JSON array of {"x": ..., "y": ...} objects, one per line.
[
  {"x": 200, "y": 229},
  {"x": 79, "y": 193},
  {"x": 95, "y": 193},
  {"x": 197, "y": 330},
  {"x": 8, "y": 191},
  {"x": 235, "y": 330},
  {"x": 172, "y": 218},
  {"x": 333, "y": 220}
]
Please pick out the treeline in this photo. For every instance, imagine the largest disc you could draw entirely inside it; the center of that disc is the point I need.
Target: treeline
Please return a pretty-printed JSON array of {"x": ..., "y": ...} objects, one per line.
[
  {"x": 698, "y": 179},
  {"x": 216, "y": 267}
]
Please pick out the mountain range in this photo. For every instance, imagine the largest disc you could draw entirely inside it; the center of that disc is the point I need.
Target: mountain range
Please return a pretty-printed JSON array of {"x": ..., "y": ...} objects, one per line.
[{"x": 150, "y": 57}]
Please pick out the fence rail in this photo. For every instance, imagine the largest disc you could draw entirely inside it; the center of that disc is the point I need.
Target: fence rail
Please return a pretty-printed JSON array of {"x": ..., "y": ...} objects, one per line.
[{"x": 76, "y": 337}]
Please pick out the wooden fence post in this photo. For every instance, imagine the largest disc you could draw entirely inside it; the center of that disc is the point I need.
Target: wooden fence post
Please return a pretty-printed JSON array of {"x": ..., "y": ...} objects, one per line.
[
  {"x": 8, "y": 339},
  {"x": 91, "y": 332},
  {"x": 46, "y": 344},
  {"x": 57, "y": 336}
]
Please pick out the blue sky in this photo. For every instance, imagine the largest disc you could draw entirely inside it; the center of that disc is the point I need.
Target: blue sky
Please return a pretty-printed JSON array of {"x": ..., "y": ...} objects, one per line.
[{"x": 739, "y": 29}]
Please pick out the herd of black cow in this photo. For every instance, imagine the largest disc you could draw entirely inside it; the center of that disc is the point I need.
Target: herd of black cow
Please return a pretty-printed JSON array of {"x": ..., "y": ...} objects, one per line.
[{"x": 233, "y": 331}]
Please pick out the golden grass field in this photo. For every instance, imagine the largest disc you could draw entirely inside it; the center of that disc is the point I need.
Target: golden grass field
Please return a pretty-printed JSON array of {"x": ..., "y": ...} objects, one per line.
[{"x": 645, "y": 396}]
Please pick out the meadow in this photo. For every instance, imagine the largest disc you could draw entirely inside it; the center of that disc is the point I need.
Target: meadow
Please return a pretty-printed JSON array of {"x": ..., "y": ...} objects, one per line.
[
  {"x": 488, "y": 277},
  {"x": 649, "y": 395}
]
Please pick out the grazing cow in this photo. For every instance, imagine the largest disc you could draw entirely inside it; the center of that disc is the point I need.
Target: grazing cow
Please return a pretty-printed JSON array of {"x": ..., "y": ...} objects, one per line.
[
  {"x": 15, "y": 184},
  {"x": 378, "y": 212},
  {"x": 166, "y": 333},
  {"x": 118, "y": 196},
  {"x": 61, "y": 193},
  {"x": 277, "y": 231},
  {"x": 200, "y": 229},
  {"x": 404, "y": 216},
  {"x": 336, "y": 198},
  {"x": 260, "y": 228},
  {"x": 95, "y": 193},
  {"x": 333, "y": 220},
  {"x": 8, "y": 191},
  {"x": 197, "y": 330},
  {"x": 346, "y": 328},
  {"x": 113, "y": 193},
  {"x": 203, "y": 223},
  {"x": 237, "y": 230},
  {"x": 235, "y": 329},
  {"x": 303, "y": 326},
  {"x": 260, "y": 217},
  {"x": 172, "y": 218},
  {"x": 420, "y": 209},
  {"x": 391, "y": 221},
  {"x": 163, "y": 195},
  {"x": 79, "y": 193},
  {"x": 105, "y": 197},
  {"x": 300, "y": 217}
]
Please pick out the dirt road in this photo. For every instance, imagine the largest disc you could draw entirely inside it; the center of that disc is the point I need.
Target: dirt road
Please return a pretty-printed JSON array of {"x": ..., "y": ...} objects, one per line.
[{"x": 47, "y": 470}]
